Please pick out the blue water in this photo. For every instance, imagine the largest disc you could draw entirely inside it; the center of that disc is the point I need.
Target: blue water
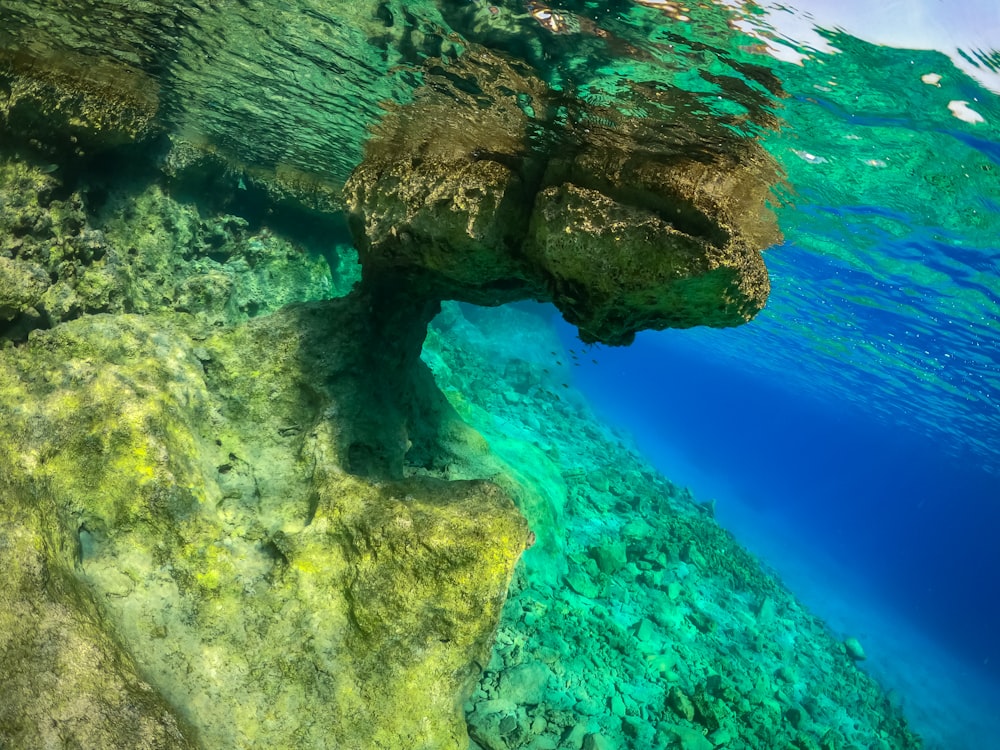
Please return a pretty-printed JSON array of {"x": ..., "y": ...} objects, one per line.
[
  {"x": 919, "y": 525},
  {"x": 871, "y": 488},
  {"x": 851, "y": 433}
]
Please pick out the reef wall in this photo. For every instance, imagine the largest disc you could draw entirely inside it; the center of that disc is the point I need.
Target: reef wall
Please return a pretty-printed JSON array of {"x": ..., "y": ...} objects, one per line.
[
  {"x": 178, "y": 492},
  {"x": 198, "y": 542}
]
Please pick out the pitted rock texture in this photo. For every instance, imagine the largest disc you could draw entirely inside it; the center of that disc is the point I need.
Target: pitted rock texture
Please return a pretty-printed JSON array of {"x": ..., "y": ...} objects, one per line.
[
  {"x": 621, "y": 231},
  {"x": 614, "y": 269},
  {"x": 182, "y": 490}
]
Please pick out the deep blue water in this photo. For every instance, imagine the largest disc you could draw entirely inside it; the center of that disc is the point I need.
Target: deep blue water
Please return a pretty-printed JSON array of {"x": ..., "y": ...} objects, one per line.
[
  {"x": 851, "y": 432},
  {"x": 919, "y": 525}
]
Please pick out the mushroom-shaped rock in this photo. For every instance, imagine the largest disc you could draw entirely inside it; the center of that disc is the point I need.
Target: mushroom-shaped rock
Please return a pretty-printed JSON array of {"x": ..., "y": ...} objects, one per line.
[
  {"x": 614, "y": 269},
  {"x": 444, "y": 194},
  {"x": 501, "y": 200}
]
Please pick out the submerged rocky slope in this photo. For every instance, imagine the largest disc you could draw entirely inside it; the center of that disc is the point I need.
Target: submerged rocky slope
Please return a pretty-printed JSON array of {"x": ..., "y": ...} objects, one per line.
[{"x": 650, "y": 627}]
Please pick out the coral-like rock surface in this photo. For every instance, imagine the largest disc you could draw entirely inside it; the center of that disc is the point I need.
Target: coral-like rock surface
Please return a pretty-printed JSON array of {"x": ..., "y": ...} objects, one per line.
[
  {"x": 622, "y": 231},
  {"x": 189, "y": 482}
]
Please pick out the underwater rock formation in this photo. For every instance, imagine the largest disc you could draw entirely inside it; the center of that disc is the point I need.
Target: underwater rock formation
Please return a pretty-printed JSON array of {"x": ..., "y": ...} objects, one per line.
[
  {"x": 190, "y": 481},
  {"x": 261, "y": 90},
  {"x": 69, "y": 102},
  {"x": 352, "y": 586},
  {"x": 620, "y": 228},
  {"x": 228, "y": 522},
  {"x": 66, "y": 679},
  {"x": 483, "y": 166},
  {"x": 128, "y": 247}
]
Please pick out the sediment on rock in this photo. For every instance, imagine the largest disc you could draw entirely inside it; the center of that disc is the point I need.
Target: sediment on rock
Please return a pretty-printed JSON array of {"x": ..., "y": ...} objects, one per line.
[
  {"x": 618, "y": 229},
  {"x": 197, "y": 482}
]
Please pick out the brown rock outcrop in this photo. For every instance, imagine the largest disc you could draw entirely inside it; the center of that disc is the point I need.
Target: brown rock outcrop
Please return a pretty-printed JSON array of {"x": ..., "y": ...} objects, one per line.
[{"x": 623, "y": 227}]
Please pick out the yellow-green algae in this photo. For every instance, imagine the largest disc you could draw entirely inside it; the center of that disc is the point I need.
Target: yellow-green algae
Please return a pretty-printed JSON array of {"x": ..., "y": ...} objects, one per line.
[
  {"x": 67, "y": 681},
  {"x": 271, "y": 598},
  {"x": 133, "y": 247}
]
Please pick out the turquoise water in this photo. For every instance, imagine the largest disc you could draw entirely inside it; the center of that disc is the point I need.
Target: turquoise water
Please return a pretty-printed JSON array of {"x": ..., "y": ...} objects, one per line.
[
  {"x": 849, "y": 435},
  {"x": 852, "y": 432}
]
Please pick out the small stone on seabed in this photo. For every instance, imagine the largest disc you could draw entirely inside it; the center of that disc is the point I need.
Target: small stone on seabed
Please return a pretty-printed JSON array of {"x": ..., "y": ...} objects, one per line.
[
  {"x": 524, "y": 683},
  {"x": 596, "y": 742},
  {"x": 854, "y": 649}
]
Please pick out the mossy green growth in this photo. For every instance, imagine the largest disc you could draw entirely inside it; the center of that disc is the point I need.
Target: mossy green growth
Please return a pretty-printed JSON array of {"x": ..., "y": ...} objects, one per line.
[
  {"x": 21, "y": 286},
  {"x": 67, "y": 251},
  {"x": 176, "y": 256},
  {"x": 67, "y": 681},
  {"x": 190, "y": 481}
]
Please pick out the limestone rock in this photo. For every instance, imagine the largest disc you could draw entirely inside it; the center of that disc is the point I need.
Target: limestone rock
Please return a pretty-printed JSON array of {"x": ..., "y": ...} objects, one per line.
[
  {"x": 615, "y": 269},
  {"x": 75, "y": 101},
  {"x": 66, "y": 681},
  {"x": 691, "y": 739},
  {"x": 581, "y": 578},
  {"x": 680, "y": 703},
  {"x": 21, "y": 286},
  {"x": 243, "y": 595},
  {"x": 597, "y": 741},
  {"x": 142, "y": 252},
  {"x": 854, "y": 649},
  {"x": 610, "y": 556},
  {"x": 444, "y": 200},
  {"x": 463, "y": 207},
  {"x": 525, "y": 683},
  {"x": 618, "y": 236}
]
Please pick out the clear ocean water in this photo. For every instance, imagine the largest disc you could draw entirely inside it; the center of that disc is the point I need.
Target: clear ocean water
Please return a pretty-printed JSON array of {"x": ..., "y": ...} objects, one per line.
[{"x": 850, "y": 434}]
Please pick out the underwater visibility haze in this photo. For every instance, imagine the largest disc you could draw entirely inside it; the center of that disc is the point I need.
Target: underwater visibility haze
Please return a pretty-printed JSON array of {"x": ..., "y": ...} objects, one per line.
[{"x": 450, "y": 374}]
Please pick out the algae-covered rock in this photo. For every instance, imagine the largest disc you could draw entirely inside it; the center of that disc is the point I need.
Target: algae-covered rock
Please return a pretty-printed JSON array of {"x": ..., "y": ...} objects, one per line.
[
  {"x": 621, "y": 228},
  {"x": 524, "y": 683},
  {"x": 616, "y": 269},
  {"x": 610, "y": 556},
  {"x": 136, "y": 248},
  {"x": 269, "y": 597},
  {"x": 82, "y": 79},
  {"x": 75, "y": 101},
  {"x": 443, "y": 195},
  {"x": 21, "y": 286},
  {"x": 67, "y": 682},
  {"x": 690, "y": 739}
]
